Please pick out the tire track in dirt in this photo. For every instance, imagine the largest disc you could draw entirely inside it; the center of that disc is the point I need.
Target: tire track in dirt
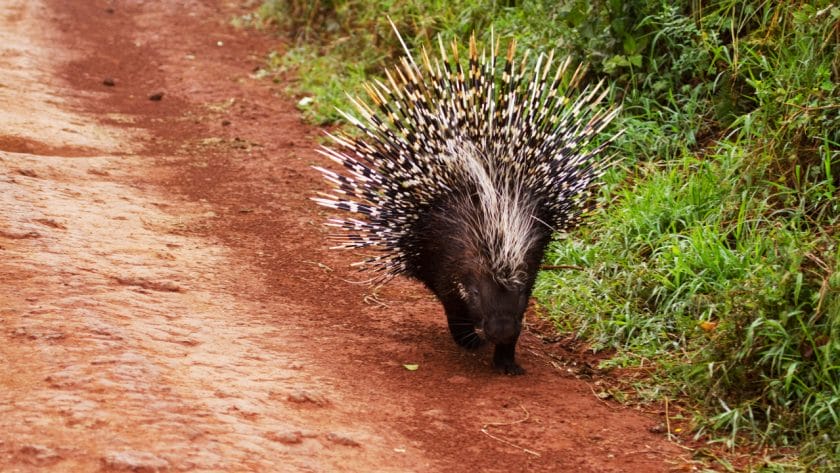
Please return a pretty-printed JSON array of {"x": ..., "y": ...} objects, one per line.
[
  {"x": 124, "y": 344},
  {"x": 168, "y": 301}
]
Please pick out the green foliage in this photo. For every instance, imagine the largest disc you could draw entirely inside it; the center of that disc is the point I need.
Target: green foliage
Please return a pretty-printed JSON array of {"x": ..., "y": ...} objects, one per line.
[
  {"x": 321, "y": 79},
  {"x": 337, "y": 45},
  {"x": 732, "y": 295},
  {"x": 718, "y": 256}
]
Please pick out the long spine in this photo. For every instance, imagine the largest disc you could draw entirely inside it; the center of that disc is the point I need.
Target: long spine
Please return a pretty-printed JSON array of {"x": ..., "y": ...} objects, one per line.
[{"x": 447, "y": 131}]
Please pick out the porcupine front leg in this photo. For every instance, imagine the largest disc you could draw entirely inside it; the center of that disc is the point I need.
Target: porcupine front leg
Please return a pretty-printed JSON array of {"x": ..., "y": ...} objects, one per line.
[
  {"x": 461, "y": 326},
  {"x": 503, "y": 358}
]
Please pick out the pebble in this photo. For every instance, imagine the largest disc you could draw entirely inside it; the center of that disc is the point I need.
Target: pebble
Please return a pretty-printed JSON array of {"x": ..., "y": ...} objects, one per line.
[
  {"x": 135, "y": 461},
  {"x": 39, "y": 455},
  {"x": 303, "y": 396},
  {"x": 342, "y": 439},
  {"x": 288, "y": 438},
  {"x": 657, "y": 429}
]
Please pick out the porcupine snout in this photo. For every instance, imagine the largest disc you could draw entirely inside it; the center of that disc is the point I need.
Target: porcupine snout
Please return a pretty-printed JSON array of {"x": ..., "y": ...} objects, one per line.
[
  {"x": 501, "y": 309},
  {"x": 500, "y": 329}
]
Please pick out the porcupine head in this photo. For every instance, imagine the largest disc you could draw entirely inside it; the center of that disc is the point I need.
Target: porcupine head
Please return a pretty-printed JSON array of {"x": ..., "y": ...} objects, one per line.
[{"x": 459, "y": 177}]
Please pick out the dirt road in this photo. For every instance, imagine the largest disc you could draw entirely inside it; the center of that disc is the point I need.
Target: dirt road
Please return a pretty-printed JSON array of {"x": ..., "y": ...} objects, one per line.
[{"x": 167, "y": 301}]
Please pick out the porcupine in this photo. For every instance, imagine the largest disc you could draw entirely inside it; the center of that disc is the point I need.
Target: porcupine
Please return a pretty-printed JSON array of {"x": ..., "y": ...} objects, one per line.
[{"x": 461, "y": 177}]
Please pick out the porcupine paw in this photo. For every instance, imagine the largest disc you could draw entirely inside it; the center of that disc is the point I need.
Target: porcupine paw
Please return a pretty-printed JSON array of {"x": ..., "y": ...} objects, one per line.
[
  {"x": 508, "y": 367},
  {"x": 504, "y": 362}
]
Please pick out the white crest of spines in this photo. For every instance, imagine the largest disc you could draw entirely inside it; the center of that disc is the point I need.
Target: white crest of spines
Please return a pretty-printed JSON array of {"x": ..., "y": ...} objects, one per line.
[{"x": 521, "y": 140}]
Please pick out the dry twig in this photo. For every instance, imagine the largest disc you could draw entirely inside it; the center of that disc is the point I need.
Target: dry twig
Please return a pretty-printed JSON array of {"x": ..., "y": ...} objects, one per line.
[{"x": 505, "y": 441}]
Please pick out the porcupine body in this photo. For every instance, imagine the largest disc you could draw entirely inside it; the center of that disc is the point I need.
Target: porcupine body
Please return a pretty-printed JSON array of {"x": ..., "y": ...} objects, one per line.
[{"x": 461, "y": 174}]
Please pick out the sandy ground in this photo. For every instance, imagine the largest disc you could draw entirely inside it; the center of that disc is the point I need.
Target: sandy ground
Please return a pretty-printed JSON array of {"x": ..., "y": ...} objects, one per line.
[{"x": 167, "y": 301}]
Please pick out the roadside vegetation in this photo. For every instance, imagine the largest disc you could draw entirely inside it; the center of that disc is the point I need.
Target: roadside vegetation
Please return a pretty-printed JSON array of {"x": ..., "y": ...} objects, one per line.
[{"x": 716, "y": 264}]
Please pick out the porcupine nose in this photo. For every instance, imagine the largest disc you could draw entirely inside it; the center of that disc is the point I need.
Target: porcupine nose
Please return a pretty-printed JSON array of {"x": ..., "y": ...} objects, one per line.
[{"x": 501, "y": 330}]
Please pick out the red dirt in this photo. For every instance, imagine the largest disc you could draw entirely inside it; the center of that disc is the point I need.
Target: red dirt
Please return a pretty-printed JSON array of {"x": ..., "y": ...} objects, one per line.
[{"x": 168, "y": 301}]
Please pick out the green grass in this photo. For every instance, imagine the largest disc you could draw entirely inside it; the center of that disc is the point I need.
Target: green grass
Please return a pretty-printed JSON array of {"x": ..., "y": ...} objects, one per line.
[
  {"x": 320, "y": 81},
  {"x": 715, "y": 258},
  {"x": 689, "y": 268}
]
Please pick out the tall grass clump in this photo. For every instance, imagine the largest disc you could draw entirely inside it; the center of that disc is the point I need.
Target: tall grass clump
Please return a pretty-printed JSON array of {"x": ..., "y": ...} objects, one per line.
[
  {"x": 717, "y": 258},
  {"x": 336, "y": 45}
]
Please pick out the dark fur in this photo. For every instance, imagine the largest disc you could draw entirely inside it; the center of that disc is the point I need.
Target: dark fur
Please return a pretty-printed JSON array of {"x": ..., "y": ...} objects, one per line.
[{"x": 445, "y": 257}]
